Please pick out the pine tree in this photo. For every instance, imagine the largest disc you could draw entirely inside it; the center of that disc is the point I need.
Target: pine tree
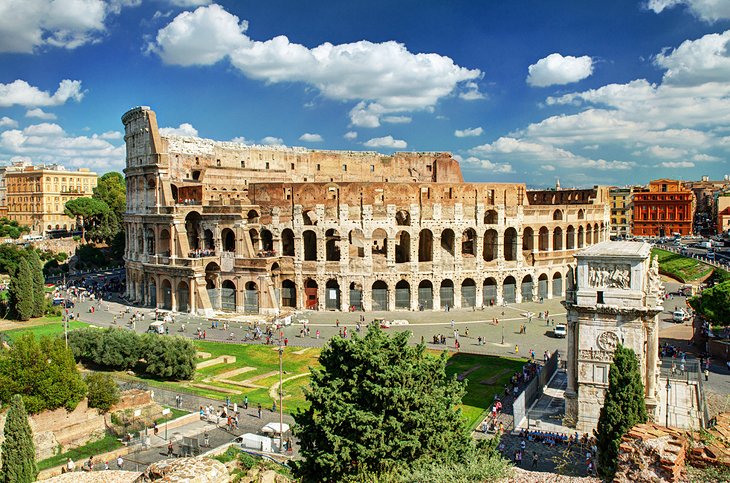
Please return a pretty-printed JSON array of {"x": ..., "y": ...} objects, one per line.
[
  {"x": 39, "y": 294},
  {"x": 18, "y": 450},
  {"x": 379, "y": 406},
  {"x": 20, "y": 291},
  {"x": 623, "y": 407}
]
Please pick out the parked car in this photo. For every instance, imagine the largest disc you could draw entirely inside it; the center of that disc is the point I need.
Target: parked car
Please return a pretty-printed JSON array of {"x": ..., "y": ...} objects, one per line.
[{"x": 560, "y": 331}]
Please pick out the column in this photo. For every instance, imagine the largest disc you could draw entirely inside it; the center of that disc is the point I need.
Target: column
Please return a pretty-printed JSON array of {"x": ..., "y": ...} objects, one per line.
[
  {"x": 572, "y": 360},
  {"x": 391, "y": 297},
  {"x": 173, "y": 295},
  {"x": 500, "y": 245},
  {"x": 414, "y": 294},
  {"x": 193, "y": 288},
  {"x": 652, "y": 337},
  {"x": 479, "y": 293},
  {"x": 457, "y": 294}
]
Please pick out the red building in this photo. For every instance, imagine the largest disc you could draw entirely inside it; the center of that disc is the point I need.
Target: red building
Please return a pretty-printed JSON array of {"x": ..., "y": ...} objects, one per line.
[{"x": 664, "y": 208}]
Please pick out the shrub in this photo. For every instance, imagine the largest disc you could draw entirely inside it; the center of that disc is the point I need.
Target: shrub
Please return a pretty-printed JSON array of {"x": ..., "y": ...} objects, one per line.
[
  {"x": 169, "y": 357},
  {"x": 103, "y": 391}
]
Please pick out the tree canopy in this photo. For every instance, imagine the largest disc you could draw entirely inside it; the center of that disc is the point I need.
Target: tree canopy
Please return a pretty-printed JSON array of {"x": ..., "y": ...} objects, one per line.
[
  {"x": 379, "y": 406},
  {"x": 21, "y": 296},
  {"x": 18, "y": 450},
  {"x": 714, "y": 303},
  {"x": 93, "y": 214},
  {"x": 623, "y": 407},
  {"x": 11, "y": 228},
  {"x": 112, "y": 190}
]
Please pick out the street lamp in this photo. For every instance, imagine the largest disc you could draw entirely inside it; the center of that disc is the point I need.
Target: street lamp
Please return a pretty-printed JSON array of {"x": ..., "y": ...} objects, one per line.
[
  {"x": 503, "y": 333},
  {"x": 281, "y": 396},
  {"x": 669, "y": 386}
]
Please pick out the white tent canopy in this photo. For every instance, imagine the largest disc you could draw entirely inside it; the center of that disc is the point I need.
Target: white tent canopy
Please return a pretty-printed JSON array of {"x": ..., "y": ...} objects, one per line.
[{"x": 274, "y": 428}]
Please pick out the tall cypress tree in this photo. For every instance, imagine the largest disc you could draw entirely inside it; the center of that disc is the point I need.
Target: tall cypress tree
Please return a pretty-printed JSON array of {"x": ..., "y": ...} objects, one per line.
[
  {"x": 39, "y": 295},
  {"x": 18, "y": 450},
  {"x": 623, "y": 407},
  {"x": 20, "y": 291}
]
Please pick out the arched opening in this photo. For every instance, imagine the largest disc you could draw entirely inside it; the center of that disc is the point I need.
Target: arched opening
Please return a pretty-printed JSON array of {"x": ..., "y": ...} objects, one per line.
[
  {"x": 309, "y": 218},
  {"x": 446, "y": 293},
  {"x": 589, "y": 235},
  {"x": 164, "y": 242},
  {"x": 570, "y": 237},
  {"x": 149, "y": 236},
  {"x": 252, "y": 217},
  {"x": 228, "y": 296},
  {"x": 468, "y": 293},
  {"x": 425, "y": 246},
  {"x": 310, "y": 293},
  {"x": 380, "y": 295},
  {"x": 510, "y": 244},
  {"x": 509, "y": 290},
  {"x": 288, "y": 293},
  {"x": 489, "y": 292},
  {"x": 557, "y": 239},
  {"x": 402, "y": 295},
  {"x": 152, "y": 287},
  {"x": 581, "y": 214},
  {"x": 166, "y": 294},
  {"x": 402, "y": 247},
  {"x": 332, "y": 299},
  {"x": 229, "y": 239},
  {"x": 287, "y": 242},
  {"x": 491, "y": 245},
  {"x": 355, "y": 296},
  {"x": 267, "y": 241},
  {"x": 251, "y": 298},
  {"x": 403, "y": 218},
  {"x": 380, "y": 244},
  {"x": 526, "y": 288},
  {"x": 490, "y": 217},
  {"x": 425, "y": 295},
  {"x": 542, "y": 286},
  {"x": 528, "y": 239},
  {"x": 183, "y": 296},
  {"x": 357, "y": 243},
  {"x": 196, "y": 175},
  {"x": 557, "y": 285},
  {"x": 469, "y": 243},
  {"x": 212, "y": 275},
  {"x": 192, "y": 227},
  {"x": 332, "y": 247},
  {"x": 596, "y": 234},
  {"x": 543, "y": 239},
  {"x": 175, "y": 196},
  {"x": 310, "y": 245},
  {"x": 557, "y": 215},
  {"x": 208, "y": 242},
  {"x": 447, "y": 244},
  {"x": 580, "y": 237}
]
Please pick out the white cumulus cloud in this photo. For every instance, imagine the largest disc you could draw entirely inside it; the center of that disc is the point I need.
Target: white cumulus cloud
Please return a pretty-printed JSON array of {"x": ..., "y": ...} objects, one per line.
[
  {"x": 386, "y": 142},
  {"x": 189, "y": 3},
  {"x": 26, "y": 25},
  {"x": 676, "y": 164},
  {"x": 184, "y": 129},
  {"x": 489, "y": 166},
  {"x": 707, "y": 10},
  {"x": 350, "y": 135},
  {"x": 699, "y": 61},
  {"x": 20, "y": 93},
  {"x": 39, "y": 113},
  {"x": 272, "y": 141},
  {"x": 397, "y": 119},
  {"x": 311, "y": 138},
  {"x": 5, "y": 121},
  {"x": 385, "y": 76},
  {"x": 469, "y": 132},
  {"x": 556, "y": 69}
]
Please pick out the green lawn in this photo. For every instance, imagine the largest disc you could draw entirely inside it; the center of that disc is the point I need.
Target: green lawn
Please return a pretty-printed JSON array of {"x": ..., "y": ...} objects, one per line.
[
  {"x": 683, "y": 268},
  {"x": 82, "y": 453},
  {"x": 487, "y": 377},
  {"x": 44, "y": 326},
  {"x": 174, "y": 414}
]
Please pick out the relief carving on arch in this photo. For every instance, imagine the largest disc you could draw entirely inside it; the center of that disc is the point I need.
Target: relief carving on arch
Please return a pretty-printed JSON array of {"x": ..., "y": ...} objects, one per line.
[{"x": 609, "y": 275}]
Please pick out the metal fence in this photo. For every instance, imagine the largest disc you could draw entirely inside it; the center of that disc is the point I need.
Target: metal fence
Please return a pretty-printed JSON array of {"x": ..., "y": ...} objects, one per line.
[
  {"x": 533, "y": 390},
  {"x": 690, "y": 372}
]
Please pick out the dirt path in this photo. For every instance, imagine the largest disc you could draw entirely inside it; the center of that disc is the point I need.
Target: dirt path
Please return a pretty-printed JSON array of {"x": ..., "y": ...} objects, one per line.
[{"x": 274, "y": 390}]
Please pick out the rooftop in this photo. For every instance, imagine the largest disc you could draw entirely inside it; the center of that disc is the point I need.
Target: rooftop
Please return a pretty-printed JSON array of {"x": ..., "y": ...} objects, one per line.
[{"x": 616, "y": 249}]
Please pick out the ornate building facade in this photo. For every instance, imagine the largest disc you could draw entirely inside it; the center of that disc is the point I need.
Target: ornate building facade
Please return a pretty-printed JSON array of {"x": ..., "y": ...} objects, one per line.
[
  {"x": 613, "y": 297},
  {"x": 259, "y": 229},
  {"x": 665, "y": 207}
]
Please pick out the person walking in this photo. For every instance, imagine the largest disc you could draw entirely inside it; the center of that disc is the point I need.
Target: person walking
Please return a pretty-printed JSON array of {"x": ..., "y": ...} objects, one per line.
[
  {"x": 120, "y": 462},
  {"x": 245, "y": 402},
  {"x": 534, "y": 459},
  {"x": 259, "y": 410},
  {"x": 517, "y": 349},
  {"x": 169, "y": 448},
  {"x": 707, "y": 375}
]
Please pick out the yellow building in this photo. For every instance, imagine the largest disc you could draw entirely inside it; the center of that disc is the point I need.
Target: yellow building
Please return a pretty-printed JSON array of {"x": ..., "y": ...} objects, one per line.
[
  {"x": 620, "y": 211},
  {"x": 36, "y": 195}
]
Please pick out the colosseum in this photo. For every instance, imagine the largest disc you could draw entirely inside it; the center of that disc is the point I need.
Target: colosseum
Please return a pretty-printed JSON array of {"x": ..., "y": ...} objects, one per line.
[{"x": 221, "y": 226}]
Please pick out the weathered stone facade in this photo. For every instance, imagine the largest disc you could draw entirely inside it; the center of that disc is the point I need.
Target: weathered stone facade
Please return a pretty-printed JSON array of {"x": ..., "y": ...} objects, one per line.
[
  {"x": 255, "y": 229},
  {"x": 613, "y": 297}
]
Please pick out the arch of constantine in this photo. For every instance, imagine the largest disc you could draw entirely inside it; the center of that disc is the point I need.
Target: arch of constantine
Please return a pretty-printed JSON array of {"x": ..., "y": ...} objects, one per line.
[{"x": 255, "y": 229}]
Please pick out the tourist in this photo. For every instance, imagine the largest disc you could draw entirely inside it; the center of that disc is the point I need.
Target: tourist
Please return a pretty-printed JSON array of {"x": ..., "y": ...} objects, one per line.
[
  {"x": 70, "y": 465},
  {"x": 259, "y": 410},
  {"x": 245, "y": 402},
  {"x": 120, "y": 462},
  {"x": 169, "y": 448},
  {"x": 534, "y": 459},
  {"x": 517, "y": 349}
]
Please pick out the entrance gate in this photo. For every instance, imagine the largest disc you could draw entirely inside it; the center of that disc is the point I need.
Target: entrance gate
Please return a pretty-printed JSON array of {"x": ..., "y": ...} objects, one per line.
[{"x": 425, "y": 297}]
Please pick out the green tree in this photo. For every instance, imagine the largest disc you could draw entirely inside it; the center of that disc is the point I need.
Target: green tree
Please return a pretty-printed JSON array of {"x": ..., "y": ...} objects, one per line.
[
  {"x": 103, "y": 391},
  {"x": 169, "y": 357},
  {"x": 120, "y": 349},
  {"x": 88, "y": 211},
  {"x": 379, "y": 406},
  {"x": 112, "y": 190},
  {"x": 18, "y": 450},
  {"x": 43, "y": 372},
  {"x": 623, "y": 407},
  {"x": 714, "y": 303},
  {"x": 39, "y": 283},
  {"x": 11, "y": 228},
  {"x": 20, "y": 291}
]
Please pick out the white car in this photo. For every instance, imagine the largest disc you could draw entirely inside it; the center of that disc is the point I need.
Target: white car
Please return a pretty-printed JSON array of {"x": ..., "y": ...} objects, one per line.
[{"x": 560, "y": 331}]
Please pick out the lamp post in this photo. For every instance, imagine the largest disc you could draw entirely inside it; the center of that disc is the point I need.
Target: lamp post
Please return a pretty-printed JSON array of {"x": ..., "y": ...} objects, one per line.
[
  {"x": 281, "y": 396},
  {"x": 502, "y": 334},
  {"x": 669, "y": 386}
]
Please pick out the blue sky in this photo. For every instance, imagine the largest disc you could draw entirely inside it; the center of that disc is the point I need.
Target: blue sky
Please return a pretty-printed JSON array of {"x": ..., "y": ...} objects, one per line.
[{"x": 590, "y": 92}]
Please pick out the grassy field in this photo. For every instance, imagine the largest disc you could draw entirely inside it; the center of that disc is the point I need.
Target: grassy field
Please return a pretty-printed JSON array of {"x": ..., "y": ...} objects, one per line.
[
  {"x": 682, "y": 268},
  {"x": 44, "y": 326},
  {"x": 81, "y": 454}
]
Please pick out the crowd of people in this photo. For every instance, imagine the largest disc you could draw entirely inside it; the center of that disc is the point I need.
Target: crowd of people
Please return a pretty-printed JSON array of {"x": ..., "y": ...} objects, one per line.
[{"x": 201, "y": 252}]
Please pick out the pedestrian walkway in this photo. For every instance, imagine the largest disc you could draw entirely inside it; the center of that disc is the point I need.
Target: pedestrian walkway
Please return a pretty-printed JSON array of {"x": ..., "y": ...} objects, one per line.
[{"x": 546, "y": 414}]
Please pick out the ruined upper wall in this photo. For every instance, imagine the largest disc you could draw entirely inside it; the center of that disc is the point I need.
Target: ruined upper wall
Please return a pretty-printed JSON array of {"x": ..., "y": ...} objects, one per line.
[{"x": 597, "y": 194}]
